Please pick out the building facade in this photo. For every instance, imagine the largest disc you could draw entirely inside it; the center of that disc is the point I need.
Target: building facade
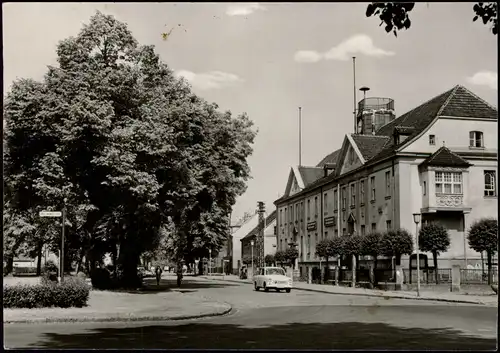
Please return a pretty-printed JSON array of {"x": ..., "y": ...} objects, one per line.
[
  {"x": 269, "y": 238},
  {"x": 238, "y": 234},
  {"x": 439, "y": 159}
]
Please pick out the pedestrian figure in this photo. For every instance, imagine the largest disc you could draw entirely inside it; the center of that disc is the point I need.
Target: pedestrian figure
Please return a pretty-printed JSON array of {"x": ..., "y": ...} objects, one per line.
[{"x": 158, "y": 272}]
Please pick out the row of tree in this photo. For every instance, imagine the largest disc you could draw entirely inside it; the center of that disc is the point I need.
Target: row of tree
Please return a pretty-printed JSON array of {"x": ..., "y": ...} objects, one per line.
[
  {"x": 139, "y": 162},
  {"x": 433, "y": 238}
]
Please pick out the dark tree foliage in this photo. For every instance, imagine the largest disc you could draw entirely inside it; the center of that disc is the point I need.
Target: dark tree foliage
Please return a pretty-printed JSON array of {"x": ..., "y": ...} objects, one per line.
[
  {"x": 291, "y": 254},
  {"x": 397, "y": 243},
  {"x": 269, "y": 259},
  {"x": 280, "y": 257},
  {"x": 434, "y": 238},
  {"x": 395, "y": 15},
  {"x": 483, "y": 236}
]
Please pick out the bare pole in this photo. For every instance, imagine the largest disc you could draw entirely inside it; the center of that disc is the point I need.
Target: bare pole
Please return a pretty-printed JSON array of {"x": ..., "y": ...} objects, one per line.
[
  {"x": 300, "y": 136},
  {"x": 354, "y": 79}
]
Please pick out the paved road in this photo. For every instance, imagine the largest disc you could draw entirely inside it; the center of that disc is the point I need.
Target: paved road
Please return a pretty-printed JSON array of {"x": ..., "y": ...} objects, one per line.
[{"x": 300, "y": 320}]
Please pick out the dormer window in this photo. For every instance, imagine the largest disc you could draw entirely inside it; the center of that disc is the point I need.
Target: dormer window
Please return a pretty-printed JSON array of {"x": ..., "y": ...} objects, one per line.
[
  {"x": 432, "y": 140},
  {"x": 476, "y": 139}
]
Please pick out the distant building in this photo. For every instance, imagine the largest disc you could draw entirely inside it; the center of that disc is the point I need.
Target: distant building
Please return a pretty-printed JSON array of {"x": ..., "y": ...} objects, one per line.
[
  {"x": 238, "y": 234},
  {"x": 439, "y": 159},
  {"x": 269, "y": 238}
]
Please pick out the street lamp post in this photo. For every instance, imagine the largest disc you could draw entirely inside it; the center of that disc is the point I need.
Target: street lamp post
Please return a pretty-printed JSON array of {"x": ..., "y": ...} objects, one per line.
[
  {"x": 209, "y": 261},
  {"x": 252, "y": 243},
  {"x": 416, "y": 219}
]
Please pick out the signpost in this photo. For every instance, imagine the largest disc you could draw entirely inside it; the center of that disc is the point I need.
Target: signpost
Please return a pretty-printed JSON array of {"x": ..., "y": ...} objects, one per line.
[{"x": 61, "y": 255}]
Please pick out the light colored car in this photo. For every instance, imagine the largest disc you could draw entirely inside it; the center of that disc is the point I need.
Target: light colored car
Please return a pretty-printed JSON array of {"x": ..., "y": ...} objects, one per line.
[{"x": 272, "y": 278}]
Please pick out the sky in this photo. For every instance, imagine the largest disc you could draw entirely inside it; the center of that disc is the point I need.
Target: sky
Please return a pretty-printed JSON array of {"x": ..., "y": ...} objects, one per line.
[{"x": 267, "y": 59}]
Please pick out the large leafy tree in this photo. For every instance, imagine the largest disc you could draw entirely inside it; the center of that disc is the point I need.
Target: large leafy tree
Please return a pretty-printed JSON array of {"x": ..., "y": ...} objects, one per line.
[
  {"x": 291, "y": 254},
  {"x": 395, "y": 15},
  {"x": 483, "y": 236},
  {"x": 434, "y": 238},
  {"x": 127, "y": 148},
  {"x": 280, "y": 257},
  {"x": 322, "y": 251}
]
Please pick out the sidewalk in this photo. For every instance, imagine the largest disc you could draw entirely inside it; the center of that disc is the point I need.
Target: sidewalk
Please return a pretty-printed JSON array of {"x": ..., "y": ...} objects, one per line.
[
  {"x": 103, "y": 306},
  {"x": 332, "y": 289}
]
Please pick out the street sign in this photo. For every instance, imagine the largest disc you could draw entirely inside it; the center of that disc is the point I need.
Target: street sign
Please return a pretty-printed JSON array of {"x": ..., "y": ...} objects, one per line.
[{"x": 50, "y": 213}]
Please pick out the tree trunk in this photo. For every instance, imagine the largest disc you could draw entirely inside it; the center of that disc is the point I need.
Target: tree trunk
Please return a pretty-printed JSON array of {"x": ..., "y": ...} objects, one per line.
[
  {"x": 39, "y": 251},
  {"x": 325, "y": 278},
  {"x": 398, "y": 263},
  {"x": 179, "y": 273},
  {"x": 490, "y": 273},
  {"x": 375, "y": 269},
  {"x": 200, "y": 267},
  {"x": 434, "y": 255},
  {"x": 482, "y": 266}
]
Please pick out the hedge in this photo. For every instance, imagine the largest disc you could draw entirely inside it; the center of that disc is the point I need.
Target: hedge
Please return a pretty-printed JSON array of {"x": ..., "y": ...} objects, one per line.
[
  {"x": 72, "y": 292},
  {"x": 23, "y": 271}
]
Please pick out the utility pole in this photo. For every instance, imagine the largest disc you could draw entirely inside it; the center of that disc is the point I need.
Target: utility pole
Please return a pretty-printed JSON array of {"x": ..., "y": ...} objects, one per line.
[
  {"x": 300, "y": 136},
  {"x": 260, "y": 237}
]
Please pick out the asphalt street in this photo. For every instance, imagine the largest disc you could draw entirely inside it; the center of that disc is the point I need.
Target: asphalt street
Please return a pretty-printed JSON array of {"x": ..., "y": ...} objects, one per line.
[{"x": 296, "y": 320}]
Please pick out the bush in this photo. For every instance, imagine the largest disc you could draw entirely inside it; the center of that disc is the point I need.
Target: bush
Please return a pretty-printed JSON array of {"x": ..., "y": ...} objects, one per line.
[
  {"x": 70, "y": 293},
  {"x": 101, "y": 279}
]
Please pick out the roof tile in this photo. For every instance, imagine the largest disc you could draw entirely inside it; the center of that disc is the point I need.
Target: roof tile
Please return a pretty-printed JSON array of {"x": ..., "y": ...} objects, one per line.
[
  {"x": 445, "y": 158},
  {"x": 369, "y": 145}
]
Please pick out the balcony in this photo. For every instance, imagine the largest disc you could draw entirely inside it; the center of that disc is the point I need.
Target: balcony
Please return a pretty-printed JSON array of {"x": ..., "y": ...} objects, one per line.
[{"x": 375, "y": 103}]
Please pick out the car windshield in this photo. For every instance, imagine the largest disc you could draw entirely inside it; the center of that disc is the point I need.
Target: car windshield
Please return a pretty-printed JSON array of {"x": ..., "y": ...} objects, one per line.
[{"x": 275, "y": 271}]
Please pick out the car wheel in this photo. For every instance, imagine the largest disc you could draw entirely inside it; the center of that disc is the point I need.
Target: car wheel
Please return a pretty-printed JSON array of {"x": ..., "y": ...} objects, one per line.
[
  {"x": 265, "y": 288},
  {"x": 256, "y": 287},
  {"x": 288, "y": 290}
]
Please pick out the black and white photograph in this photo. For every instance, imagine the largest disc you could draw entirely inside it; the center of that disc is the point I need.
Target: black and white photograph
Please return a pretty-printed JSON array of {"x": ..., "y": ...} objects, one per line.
[{"x": 250, "y": 176}]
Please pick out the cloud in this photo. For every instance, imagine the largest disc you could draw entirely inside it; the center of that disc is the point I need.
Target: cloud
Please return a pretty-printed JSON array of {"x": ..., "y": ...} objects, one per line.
[
  {"x": 209, "y": 80},
  {"x": 244, "y": 9},
  {"x": 358, "y": 44},
  {"x": 484, "y": 78}
]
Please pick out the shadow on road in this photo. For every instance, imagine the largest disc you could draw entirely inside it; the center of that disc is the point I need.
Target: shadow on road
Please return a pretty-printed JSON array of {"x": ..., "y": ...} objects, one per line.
[
  {"x": 346, "y": 335},
  {"x": 150, "y": 286}
]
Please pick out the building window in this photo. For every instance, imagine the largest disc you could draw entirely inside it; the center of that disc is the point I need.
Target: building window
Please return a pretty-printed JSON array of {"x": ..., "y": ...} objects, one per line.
[
  {"x": 388, "y": 183},
  {"x": 490, "y": 183},
  {"x": 344, "y": 232},
  {"x": 308, "y": 245},
  {"x": 297, "y": 212},
  {"x": 448, "y": 183},
  {"x": 335, "y": 201},
  {"x": 432, "y": 140},
  {"x": 281, "y": 244},
  {"x": 388, "y": 224},
  {"x": 476, "y": 139},
  {"x": 281, "y": 217},
  {"x": 424, "y": 188},
  {"x": 308, "y": 209},
  {"x": 374, "y": 227},
  {"x": 353, "y": 194},
  {"x": 291, "y": 214},
  {"x": 336, "y": 233},
  {"x": 363, "y": 229},
  {"x": 362, "y": 191},
  {"x": 326, "y": 235},
  {"x": 316, "y": 206},
  {"x": 302, "y": 211},
  {"x": 344, "y": 199},
  {"x": 351, "y": 156},
  {"x": 274, "y": 232},
  {"x": 286, "y": 219},
  {"x": 372, "y": 185},
  {"x": 325, "y": 205}
]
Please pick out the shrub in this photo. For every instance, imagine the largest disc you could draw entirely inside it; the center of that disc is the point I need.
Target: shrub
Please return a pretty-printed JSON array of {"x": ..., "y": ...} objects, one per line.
[
  {"x": 70, "y": 293},
  {"x": 100, "y": 278}
]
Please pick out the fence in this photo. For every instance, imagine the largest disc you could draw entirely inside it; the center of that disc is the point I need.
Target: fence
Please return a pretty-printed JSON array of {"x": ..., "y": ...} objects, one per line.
[
  {"x": 427, "y": 276},
  {"x": 477, "y": 276}
]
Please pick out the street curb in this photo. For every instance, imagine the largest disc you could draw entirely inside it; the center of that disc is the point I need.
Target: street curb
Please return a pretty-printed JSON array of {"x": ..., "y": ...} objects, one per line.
[
  {"x": 387, "y": 297},
  {"x": 123, "y": 319}
]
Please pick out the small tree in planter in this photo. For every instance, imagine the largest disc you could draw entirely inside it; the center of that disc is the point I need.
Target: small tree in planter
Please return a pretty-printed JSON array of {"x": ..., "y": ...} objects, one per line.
[
  {"x": 291, "y": 254},
  {"x": 269, "y": 259},
  {"x": 336, "y": 248},
  {"x": 371, "y": 245},
  {"x": 483, "y": 236},
  {"x": 434, "y": 238},
  {"x": 397, "y": 243},
  {"x": 322, "y": 251},
  {"x": 352, "y": 247},
  {"x": 280, "y": 257}
]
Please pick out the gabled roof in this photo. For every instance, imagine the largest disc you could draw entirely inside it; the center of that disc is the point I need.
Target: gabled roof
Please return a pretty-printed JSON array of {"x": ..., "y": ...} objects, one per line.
[
  {"x": 310, "y": 174},
  {"x": 445, "y": 158},
  {"x": 254, "y": 231},
  {"x": 369, "y": 145},
  {"x": 457, "y": 102},
  {"x": 332, "y": 158}
]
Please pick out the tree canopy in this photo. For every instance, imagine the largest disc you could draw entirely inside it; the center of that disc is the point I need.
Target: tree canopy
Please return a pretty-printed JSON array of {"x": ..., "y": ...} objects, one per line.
[
  {"x": 130, "y": 151},
  {"x": 395, "y": 15}
]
